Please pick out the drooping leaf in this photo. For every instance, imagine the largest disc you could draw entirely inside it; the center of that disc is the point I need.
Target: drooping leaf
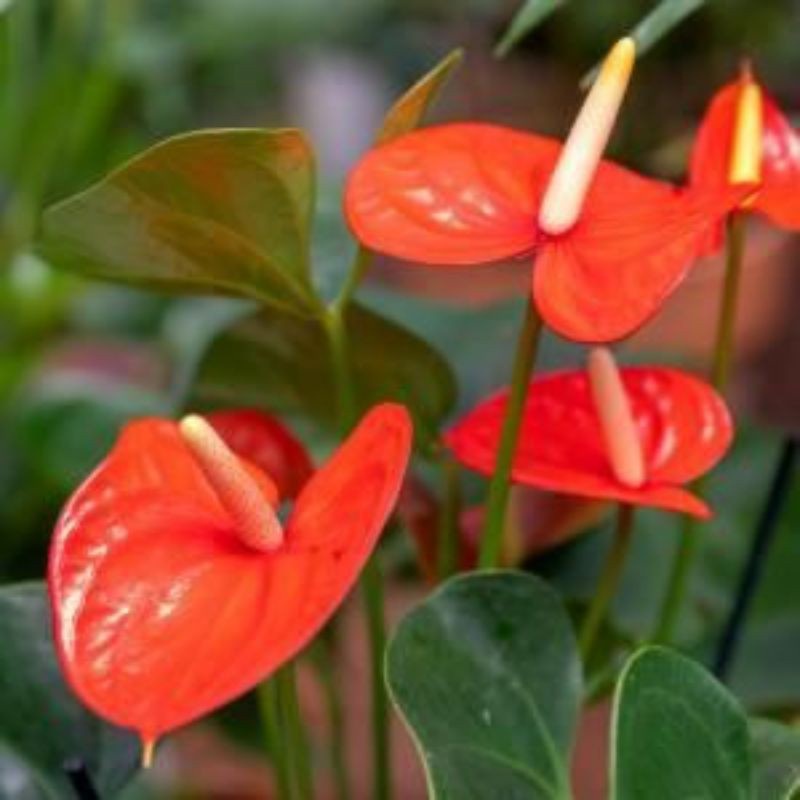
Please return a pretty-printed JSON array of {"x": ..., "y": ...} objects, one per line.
[
  {"x": 665, "y": 16},
  {"x": 677, "y": 733},
  {"x": 41, "y": 722},
  {"x": 776, "y": 760},
  {"x": 217, "y": 211},
  {"x": 528, "y": 16},
  {"x": 487, "y": 677},
  {"x": 282, "y": 363},
  {"x": 407, "y": 113}
]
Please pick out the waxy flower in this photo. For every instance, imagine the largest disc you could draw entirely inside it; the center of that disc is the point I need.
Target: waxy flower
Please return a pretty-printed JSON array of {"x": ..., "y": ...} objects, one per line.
[
  {"x": 610, "y": 245},
  {"x": 634, "y": 435},
  {"x": 176, "y": 586},
  {"x": 745, "y": 138}
]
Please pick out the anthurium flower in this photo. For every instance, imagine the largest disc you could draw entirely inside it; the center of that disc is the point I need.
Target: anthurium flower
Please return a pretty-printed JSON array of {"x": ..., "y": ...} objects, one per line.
[
  {"x": 174, "y": 584},
  {"x": 610, "y": 245},
  {"x": 635, "y": 435},
  {"x": 745, "y": 137}
]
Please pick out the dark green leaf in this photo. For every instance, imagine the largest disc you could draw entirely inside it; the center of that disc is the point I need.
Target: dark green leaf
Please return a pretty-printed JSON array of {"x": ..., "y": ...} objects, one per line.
[
  {"x": 776, "y": 760},
  {"x": 41, "y": 722},
  {"x": 282, "y": 362},
  {"x": 653, "y": 27},
  {"x": 408, "y": 111},
  {"x": 677, "y": 733},
  {"x": 487, "y": 677},
  {"x": 529, "y": 15},
  {"x": 219, "y": 211}
]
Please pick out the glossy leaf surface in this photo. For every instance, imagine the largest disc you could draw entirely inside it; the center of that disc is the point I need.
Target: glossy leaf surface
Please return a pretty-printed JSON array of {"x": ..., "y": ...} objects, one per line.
[
  {"x": 218, "y": 211},
  {"x": 41, "y": 722},
  {"x": 470, "y": 193},
  {"x": 683, "y": 426},
  {"x": 779, "y": 195},
  {"x": 162, "y": 615},
  {"x": 677, "y": 733},
  {"x": 487, "y": 677},
  {"x": 268, "y": 444},
  {"x": 282, "y": 362}
]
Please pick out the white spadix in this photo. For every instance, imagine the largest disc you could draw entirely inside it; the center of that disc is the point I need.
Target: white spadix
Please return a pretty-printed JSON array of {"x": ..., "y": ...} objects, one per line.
[
  {"x": 586, "y": 142},
  {"x": 257, "y": 524},
  {"x": 620, "y": 434}
]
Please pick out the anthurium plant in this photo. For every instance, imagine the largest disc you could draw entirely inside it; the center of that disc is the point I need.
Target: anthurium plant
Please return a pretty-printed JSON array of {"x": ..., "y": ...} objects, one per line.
[{"x": 209, "y": 554}]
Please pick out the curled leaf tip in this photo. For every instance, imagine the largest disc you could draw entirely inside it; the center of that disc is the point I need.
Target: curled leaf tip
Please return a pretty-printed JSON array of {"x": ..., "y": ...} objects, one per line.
[
  {"x": 616, "y": 419},
  {"x": 249, "y": 502},
  {"x": 748, "y": 133},
  {"x": 587, "y": 140}
]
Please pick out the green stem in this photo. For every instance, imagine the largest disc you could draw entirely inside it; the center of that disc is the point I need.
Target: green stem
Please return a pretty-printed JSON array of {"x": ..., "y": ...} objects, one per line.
[
  {"x": 608, "y": 581},
  {"x": 371, "y": 579},
  {"x": 372, "y": 587},
  {"x": 449, "y": 518},
  {"x": 296, "y": 753},
  {"x": 325, "y": 661},
  {"x": 358, "y": 269},
  {"x": 269, "y": 706},
  {"x": 679, "y": 578},
  {"x": 497, "y": 501}
]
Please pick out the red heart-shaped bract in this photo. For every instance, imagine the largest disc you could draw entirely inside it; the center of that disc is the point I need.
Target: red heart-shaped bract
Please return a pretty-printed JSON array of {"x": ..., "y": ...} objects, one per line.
[
  {"x": 469, "y": 194},
  {"x": 684, "y": 427},
  {"x": 268, "y": 444},
  {"x": 779, "y": 194},
  {"x": 162, "y": 615}
]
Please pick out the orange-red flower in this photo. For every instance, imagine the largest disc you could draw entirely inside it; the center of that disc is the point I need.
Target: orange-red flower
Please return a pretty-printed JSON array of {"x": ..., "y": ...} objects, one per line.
[
  {"x": 168, "y": 602},
  {"x": 682, "y": 427},
  {"x": 470, "y": 193},
  {"x": 777, "y": 155}
]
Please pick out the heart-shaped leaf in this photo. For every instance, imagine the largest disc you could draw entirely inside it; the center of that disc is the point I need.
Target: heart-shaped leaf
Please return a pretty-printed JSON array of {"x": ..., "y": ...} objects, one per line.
[
  {"x": 487, "y": 677},
  {"x": 407, "y": 113},
  {"x": 282, "y": 362},
  {"x": 217, "y": 211},
  {"x": 678, "y": 733},
  {"x": 776, "y": 760},
  {"x": 41, "y": 722}
]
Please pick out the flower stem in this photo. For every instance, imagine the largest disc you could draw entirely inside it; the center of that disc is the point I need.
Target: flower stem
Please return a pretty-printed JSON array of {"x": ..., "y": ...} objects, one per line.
[
  {"x": 371, "y": 578},
  {"x": 678, "y": 581},
  {"x": 449, "y": 518},
  {"x": 764, "y": 535},
  {"x": 497, "y": 500},
  {"x": 269, "y": 707},
  {"x": 608, "y": 582},
  {"x": 80, "y": 779},
  {"x": 358, "y": 269},
  {"x": 296, "y": 753}
]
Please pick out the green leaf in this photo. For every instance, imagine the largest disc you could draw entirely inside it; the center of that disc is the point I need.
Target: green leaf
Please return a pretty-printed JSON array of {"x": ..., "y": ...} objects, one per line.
[
  {"x": 677, "y": 733},
  {"x": 407, "y": 113},
  {"x": 529, "y": 15},
  {"x": 653, "y": 27},
  {"x": 282, "y": 362},
  {"x": 487, "y": 677},
  {"x": 218, "y": 211},
  {"x": 776, "y": 759},
  {"x": 41, "y": 722}
]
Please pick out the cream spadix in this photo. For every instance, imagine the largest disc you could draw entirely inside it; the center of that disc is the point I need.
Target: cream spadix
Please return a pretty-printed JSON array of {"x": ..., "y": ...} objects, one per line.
[
  {"x": 257, "y": 524},
  {"x": 620, "y": 433},
  {"x": 748, "y": 133},
  {"x": 586, "y": 142}
]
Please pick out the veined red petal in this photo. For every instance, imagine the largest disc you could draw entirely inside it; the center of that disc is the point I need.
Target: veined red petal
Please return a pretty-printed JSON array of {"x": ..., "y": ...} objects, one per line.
[
  {"x": 779, "y": 196},
  {"x": 464, "y": 193},
  {"x": 268, "y": 444},
  {"x": 632, "y": 246},
  {"x": 683, "y": 425},
  {"x": 161, "y": 615}
]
